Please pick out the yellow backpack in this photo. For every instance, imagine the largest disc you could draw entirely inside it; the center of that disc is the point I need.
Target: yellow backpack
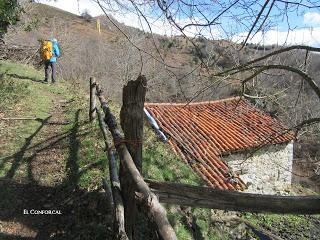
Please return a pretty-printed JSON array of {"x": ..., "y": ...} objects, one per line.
[{"x": 46, "y": 50}]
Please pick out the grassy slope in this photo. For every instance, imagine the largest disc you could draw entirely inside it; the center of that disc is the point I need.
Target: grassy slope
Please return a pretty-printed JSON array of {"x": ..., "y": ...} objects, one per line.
[
  {"x": 26, "y": 96},
  {"x": 22, "y": 94},
  {"x": 79, "y": 148},
  {"x": 43, "y": 21}
]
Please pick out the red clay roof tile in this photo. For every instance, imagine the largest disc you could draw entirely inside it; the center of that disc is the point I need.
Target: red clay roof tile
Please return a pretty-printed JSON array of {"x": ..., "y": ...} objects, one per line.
[{"x": 202, "y": 132}]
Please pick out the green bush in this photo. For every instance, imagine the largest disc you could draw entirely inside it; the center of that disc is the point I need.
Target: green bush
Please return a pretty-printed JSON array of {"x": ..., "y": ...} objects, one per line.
[
  {"x": 9, "y": 14},
  {"x": 200, "y": 51},
  {"x": 34, "y": 23}
]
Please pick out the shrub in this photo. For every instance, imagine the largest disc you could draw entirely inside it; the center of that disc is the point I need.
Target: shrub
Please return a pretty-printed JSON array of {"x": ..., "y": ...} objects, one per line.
[
  {"x": 9, "y": 14},
  {"x": 200, "y": 51},
  {"x": 86, "y": 16},
  {"x": 167, "y": 44},
  {"x": 32, "y": 24}
]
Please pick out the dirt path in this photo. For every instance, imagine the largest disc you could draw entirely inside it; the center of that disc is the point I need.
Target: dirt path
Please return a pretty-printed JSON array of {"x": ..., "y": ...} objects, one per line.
[{"x": 43, "y": 176}]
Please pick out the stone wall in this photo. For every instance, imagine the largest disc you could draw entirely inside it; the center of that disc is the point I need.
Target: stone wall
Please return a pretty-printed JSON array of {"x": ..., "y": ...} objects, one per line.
[{"x": 267, "y": 170}]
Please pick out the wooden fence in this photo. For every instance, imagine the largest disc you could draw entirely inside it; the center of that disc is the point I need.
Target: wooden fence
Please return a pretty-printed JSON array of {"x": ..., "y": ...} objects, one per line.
[{"x": 129, "y": 189}]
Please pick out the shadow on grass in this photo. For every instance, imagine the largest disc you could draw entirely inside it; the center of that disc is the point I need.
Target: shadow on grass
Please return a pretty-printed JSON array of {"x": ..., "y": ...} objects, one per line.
[
  {"x": 54, "y": 140},
  {"x": 72, "y": 166},
  {"x": 190, "y": 221},
  {"x": 33, "y": 79},
  {"x": 4, "y": 236},
  {"x": 84, "y": 214},
  {"x": 18, "y": 157}
]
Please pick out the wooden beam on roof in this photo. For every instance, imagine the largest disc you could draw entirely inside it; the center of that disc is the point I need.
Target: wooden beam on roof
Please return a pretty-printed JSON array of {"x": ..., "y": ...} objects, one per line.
[{"x": 206, "y": 197}]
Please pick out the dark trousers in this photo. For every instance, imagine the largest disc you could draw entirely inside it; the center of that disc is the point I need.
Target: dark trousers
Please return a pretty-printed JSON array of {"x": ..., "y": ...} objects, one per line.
[{"x": 47, "y": 65}]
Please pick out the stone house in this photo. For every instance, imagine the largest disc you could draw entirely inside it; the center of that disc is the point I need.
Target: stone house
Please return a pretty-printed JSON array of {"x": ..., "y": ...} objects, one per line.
[{"x": 231, "y": 144}]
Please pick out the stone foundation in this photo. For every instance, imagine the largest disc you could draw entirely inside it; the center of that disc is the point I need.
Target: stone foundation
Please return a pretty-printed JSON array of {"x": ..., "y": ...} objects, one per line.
[{"x": 266, "y": 170}]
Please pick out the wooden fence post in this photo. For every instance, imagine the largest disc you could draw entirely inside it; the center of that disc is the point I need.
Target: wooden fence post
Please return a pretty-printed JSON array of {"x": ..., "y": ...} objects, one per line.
[
  {"x": 118, "y": 209},
  {"x": 150, "y": 201},
  {"x": 131, "y": 119},
  {"x": 92, "y": 109}
]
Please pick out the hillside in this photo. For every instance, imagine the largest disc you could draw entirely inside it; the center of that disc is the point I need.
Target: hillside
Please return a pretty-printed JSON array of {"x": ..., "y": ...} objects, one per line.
[
  {"x": 171, "y": 64},
  {"x": 51, "y": 157},
  {"x": 113, "y": 60},
  {"x": 46, "y": 161},
  {"x": 86, "y": 53},
  {"x": 168, "y": 62}
]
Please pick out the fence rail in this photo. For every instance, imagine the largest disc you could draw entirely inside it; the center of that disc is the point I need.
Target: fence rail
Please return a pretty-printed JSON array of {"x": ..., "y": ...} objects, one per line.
[
  {"x": 207, "y": 197},
  {"x": 118, "y": 208}
]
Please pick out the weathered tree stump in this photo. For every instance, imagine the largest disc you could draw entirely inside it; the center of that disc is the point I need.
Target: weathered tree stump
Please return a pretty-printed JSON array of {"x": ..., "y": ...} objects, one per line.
[
  {"x": 131, "y": 119},
  {"x": 150, "y": 203}
]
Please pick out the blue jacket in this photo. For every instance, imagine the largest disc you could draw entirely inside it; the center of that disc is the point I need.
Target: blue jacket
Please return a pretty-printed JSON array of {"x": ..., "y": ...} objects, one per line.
[{"x": 56, "y": 52}]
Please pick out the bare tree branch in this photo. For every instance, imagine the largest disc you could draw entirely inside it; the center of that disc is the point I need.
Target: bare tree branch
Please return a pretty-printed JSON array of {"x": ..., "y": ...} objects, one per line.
[
  {"x": 255, "y": 23},
  {"x": 274, "y": 53},
  {"x": 128, "y": 38},
  {"x": 299, "y": 4}
]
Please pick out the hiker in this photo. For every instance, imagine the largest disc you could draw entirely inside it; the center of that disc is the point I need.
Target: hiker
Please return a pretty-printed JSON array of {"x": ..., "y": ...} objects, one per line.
[{"x": 49, "y": 53}]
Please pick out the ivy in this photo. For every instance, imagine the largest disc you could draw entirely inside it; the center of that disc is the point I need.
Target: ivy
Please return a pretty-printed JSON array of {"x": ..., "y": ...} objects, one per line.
[{"x": 9, "y": 14}]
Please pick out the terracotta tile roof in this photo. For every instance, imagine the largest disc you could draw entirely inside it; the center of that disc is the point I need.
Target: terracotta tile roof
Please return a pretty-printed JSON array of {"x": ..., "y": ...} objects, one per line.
[{"x": 202, "y": 132}]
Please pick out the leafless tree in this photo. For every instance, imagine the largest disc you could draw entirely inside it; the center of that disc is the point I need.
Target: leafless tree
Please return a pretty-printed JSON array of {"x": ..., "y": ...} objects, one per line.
[
  {"x": 198, "y": 21},
  {"x": 202, "y": 59},
  {"x": 283, "y": 79}
]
